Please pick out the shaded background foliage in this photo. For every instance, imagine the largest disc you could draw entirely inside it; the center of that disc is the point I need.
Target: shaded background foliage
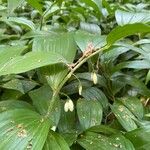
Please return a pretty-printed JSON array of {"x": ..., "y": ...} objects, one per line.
[{"x": 109, "y": 92}]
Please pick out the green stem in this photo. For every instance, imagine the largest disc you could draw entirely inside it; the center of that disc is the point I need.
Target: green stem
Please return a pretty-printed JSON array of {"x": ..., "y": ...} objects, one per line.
[
  {"x": 79, "y": 64},
  {"x": 43, "y": 16},
  {"x": 55, "y": 94}
]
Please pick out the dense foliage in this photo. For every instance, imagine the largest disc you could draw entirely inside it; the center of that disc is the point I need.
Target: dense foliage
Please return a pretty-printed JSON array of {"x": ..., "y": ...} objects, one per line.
[{"x": 74, "y": 74}]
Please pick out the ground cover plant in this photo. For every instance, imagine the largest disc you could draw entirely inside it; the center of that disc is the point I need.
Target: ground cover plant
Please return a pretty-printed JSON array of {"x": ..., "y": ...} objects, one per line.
[{"x": 74, "y": 75}]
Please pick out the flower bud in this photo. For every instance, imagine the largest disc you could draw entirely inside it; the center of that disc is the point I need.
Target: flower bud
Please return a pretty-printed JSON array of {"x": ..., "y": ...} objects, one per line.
[
  {"x": 80, "y": 89},
  {"x": 53, "y": 128},
  {"x": 69, "y": 106},
  {"x": 94, "y": 77}
]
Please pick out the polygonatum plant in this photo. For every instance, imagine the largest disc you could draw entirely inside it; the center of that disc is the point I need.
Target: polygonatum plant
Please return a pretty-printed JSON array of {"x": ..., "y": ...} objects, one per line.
[{"x": 74, "y": 75}]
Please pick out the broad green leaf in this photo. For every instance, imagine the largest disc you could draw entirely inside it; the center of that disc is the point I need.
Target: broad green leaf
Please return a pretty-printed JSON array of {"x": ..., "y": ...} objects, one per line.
[
  {"x": 8, "y": 37},
  {"x": 36, "y": 4},
  {"x": 94, "y": 93},
  {"x": 41, "y": 100},
  {"x": 130, "y": 46},
  {"x": 22, "y": 129},
  {"x": 98, "y": 3},
  {"x": 67, "y": 120},
  {"x": 70, "y": 137},
  {"x": 14, "y": 104},
  {"x": 9, "y": 52},
  {"x": 2, "y": 8},
  {"x": 124, "y": 17},
  {"x": 87, "y": 76},
  {"x": 106, "y": 4},
  {"x": 134, "y": 82},
  {"x": 93, "y": 141},
  {"x": 74, "y": 86},
  {"x": 20, "y": 21},
  {"x": 89, "y": 113},
  {"x": 55, "y": 142},
  {"x": 83, "y": 38},
  {"x": 95, "y": 4},
  {"x": 117, "y": 85},
  {"x": 30, "y": 61},
  {"x": 62, "y": 44},
  {"x": 136, "y": 64},
  {"x": 142, "y": 41},
  {"x": 140, "y": 138},
  {"x": 13, "y": 94},
  {"x": 91, "y": 28},
  {"x": 113, "y": 52},
  {"x": 34, "y": 33},
  {"x": 124, "y": 116},
  {"x": 12, "y": 5},
  {"x": 103, "y": 129},
  {"x": 134, "y": 105},
  {"x": 21, "y": 85},
  {"x": 126, "y": 30}
]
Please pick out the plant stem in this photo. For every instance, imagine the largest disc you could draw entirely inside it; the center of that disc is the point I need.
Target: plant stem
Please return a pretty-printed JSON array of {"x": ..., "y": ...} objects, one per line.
[{"x": 77, "y": 65}]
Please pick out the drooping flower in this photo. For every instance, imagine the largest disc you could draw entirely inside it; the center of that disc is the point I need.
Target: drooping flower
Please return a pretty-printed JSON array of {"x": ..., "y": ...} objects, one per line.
[
  {"x": 69, "y": 106},
  {"x": 94, "y": 77},
  {"x": 80, "y": 89}
]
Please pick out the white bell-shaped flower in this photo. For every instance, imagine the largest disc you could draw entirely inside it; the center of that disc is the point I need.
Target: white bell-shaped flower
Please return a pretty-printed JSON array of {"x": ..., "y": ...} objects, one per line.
[
  {"x": 69, "y": 106},
  {"x": 53, "y": 128},
  {"x": 94, "y": 77},
  {"x": 80, "y": 89}
]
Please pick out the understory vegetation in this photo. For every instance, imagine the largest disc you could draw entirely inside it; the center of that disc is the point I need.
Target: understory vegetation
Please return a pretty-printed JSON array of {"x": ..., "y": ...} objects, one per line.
[{"x": 74, "y": 75}]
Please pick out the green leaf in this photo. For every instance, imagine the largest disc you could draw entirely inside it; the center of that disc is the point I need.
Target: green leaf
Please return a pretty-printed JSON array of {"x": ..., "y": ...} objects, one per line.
[
  {"x": 13, "y": 94},
  {"x": 137, "y": 64},
  {"x": 55, "y": 142},
  {"x": 94, "y": 93},
  {"x": 74, "y": 86},
  {"x": 124, "y": 17},
  {"x": 30, "y": 61},
  {"x": 94, "y": 115},
  {"x": 14, "y": 104},
  {"x": 87, "y": 76},
  {"x": 124, "y": 116},
  {"x": 91, "y": 28},
  {"x": 134, "y": 82},
  {"x": 22, "y": 129},
  {"x": 147, "y": 77},
  {"x": 98, "y": 3},
  {"x": 12, "y": 5},
  {"x": 134, "y": 105},
  {"x": 62, "y": 44},
  {"x": 70, "y": 137},
  {"x": 21, "y": 21},
  {"x": 36, "y": 4},
  {"x": 21, "y": 85},
  {"x": 67, "y": 120},
  {"x": 140, "y": 138},
  {"x": 41, "y": 100},
  {"x": 93, "y": 141},
  {"x": 114, "y": 52},
  {"x": 127, "y": 30},
  {"x": 95, "y": 4},
  {"x": 103, "y": 129},
  {"x": 9, "y": 52},
  {"x": 83, "y": 38}
]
